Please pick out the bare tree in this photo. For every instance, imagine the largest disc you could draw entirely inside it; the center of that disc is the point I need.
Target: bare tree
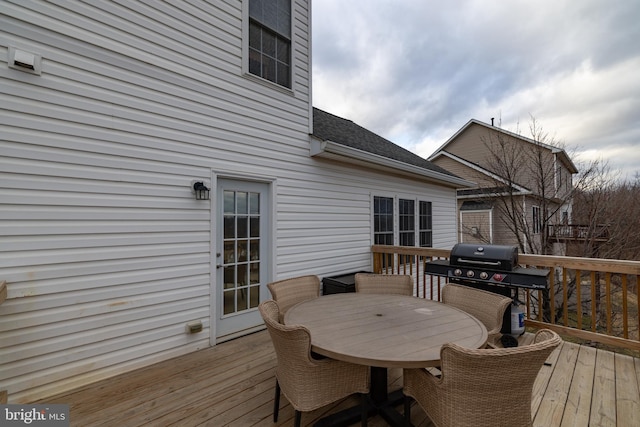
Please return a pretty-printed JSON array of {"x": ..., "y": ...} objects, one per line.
[{"x": 530, "y": 170}]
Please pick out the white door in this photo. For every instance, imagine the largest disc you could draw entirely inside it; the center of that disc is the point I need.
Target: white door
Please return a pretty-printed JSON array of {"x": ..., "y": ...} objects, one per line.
[{"x": 242, "y": 255}]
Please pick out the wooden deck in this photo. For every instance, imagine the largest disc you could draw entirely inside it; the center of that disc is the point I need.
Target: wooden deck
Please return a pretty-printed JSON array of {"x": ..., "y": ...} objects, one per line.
[{"x": 232, "y": 384}]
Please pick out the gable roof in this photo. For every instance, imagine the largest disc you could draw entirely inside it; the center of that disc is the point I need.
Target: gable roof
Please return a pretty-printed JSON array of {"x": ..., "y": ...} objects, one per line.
[
  {"x": 562, "y": 155},
  {"x": 483, "y": 171},
  {"x": 342, "y": 139}
]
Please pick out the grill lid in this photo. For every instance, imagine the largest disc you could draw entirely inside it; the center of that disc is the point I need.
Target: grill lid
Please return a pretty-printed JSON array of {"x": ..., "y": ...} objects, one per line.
[{"x": 494, "y": 257}]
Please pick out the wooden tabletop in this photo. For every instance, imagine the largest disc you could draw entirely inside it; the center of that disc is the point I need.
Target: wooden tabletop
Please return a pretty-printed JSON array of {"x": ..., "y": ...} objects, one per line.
[{"x": 390, "y": 331}]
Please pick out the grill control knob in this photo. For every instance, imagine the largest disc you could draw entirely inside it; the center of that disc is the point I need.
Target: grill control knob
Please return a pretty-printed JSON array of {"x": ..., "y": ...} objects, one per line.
[
  {"x": 470, "y": 273},
  {"x": 457, "y": 272},
  {"x": 484, "y": 275}
]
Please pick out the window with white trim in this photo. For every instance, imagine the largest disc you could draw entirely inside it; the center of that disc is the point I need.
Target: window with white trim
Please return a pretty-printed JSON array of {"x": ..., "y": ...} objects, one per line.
[
  {"x": 270, "y": 40},
  {"x": 383, "y": 220},
  {"x": 407, "y": 220},
  {"x": 411, "y": 226},
  {"x": 425, "y": 229}
]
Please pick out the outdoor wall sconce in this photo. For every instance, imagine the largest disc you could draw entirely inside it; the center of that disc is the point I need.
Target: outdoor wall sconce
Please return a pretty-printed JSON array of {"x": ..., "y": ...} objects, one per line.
[{"x": 201, "y": 190}]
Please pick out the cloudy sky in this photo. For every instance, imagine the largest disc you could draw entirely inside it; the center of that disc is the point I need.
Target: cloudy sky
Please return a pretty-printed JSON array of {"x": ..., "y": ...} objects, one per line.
[{"x": 415, "y": 71}]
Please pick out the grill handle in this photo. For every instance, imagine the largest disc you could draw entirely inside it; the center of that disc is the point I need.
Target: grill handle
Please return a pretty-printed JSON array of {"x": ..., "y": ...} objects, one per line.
[{"x": 471, "y": 261}]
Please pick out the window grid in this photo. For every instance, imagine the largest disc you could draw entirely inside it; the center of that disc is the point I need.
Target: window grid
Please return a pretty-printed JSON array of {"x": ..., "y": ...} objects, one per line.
[
  {"x": 383, "y": 220},
  {"x": 426, "y": 225},
  {"x": 270, "y": 40},
  {"x": 407, "y": 219}
]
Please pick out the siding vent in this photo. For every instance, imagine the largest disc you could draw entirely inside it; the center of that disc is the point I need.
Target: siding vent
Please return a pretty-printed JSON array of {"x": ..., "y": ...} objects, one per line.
[{"x": 24, "y": 61}]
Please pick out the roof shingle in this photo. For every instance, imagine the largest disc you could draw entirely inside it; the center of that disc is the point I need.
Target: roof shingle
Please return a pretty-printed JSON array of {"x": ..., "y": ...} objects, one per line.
[{"x": 328, "y": 127}]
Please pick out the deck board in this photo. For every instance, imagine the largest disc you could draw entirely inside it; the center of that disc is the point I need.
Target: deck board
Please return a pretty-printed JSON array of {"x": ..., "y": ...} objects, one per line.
[
  {"x": 603, "y": 403},
  {"x": 560, "y": 374},
  {"x": 578, "y": 404},
  {"x": 232, "y": 384},
  {"x": 627, "y": 405}
]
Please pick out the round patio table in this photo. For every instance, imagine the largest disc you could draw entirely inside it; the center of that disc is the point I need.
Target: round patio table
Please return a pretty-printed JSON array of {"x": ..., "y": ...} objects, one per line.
[{"x": 384, "y": 331}]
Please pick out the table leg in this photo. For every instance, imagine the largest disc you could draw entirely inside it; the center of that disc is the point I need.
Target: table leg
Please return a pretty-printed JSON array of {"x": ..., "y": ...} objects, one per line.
[
  {"x": 380, "y": 402},
  {"x": 379, "y": 385}
]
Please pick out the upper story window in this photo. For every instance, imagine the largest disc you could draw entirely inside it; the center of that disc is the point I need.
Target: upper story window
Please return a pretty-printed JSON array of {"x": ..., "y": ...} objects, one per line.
[
  {"x": 537, "y": 220},
  {"x": 270, "y": 40}
]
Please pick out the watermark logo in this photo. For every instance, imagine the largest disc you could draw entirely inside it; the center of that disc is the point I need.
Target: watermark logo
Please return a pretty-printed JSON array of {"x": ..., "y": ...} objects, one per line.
[{"x": 34, "y": 415}]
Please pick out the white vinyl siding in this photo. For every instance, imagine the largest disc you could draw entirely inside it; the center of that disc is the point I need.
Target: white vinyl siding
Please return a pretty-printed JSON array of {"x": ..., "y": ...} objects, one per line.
[{"x": 105, "y": 250}]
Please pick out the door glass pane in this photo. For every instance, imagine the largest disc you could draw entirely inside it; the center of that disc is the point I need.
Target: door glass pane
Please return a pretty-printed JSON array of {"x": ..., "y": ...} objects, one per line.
[
  {"x": 254, "y": 226},
  {"x": 254, "y": 293},
  {"x": 254, "y": 203},
  {"x": 229, "y": 252},
  {"x": 243, "y": 275},
  {"x": 254, "y": 273},
  {"x": 242, "y": 299},
  {"x": 243, "y": 227},
  {"x": 229, "y": 301},
  {"x": 229, "y": 277},
  {"x": 241, "y": 251},
  {"x": 243, "y": 202},
  {"x": 229, "y": 202},
  {"x": 254, "y": 250},
  {"x": 229, "y": 227}
]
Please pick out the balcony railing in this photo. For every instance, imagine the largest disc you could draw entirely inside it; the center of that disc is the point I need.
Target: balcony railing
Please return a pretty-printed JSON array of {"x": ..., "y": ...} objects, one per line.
[
  {"x": 588, "y": 298},
  {"x": 577, "y": 232}
]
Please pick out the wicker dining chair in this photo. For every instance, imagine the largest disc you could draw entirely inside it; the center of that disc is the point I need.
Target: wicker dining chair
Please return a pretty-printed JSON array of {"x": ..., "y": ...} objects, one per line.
[
  {"x": 485, "y": 306},
  {"x": 480, "y": 387},
  {"x": 401, "y": 284},
  {"x": 308, "y": 383},
  {"x": 289, "y": 292}
]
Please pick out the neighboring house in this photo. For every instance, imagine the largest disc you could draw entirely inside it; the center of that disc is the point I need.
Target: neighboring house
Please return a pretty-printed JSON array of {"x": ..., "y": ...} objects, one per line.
[
  {"x": 521, "y": 184},
  {"x": 110, "y": 114}
]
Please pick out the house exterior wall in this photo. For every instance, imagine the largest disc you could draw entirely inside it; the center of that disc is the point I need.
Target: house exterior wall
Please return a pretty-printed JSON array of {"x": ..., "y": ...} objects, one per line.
[
  {"x": 106, "y": 253},
  {"x": 464, "y": 171},
  {"x": 476, "y": 227},
  {"x": 470, "y": 144},
  {"x": 473, "y": 144}
]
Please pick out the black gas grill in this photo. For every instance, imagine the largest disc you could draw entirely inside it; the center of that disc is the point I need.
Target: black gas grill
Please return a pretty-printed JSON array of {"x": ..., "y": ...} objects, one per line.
[
  {"x": 493, "y": 268},
  {"x": 493, "y": 265}
]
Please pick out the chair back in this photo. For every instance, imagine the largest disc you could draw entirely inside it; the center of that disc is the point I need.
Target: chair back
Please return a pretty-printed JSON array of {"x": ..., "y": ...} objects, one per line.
[
  {"x": 289, "y": 292},
  {"x": 306, "y": 382},
  {"x": 292, "y": 344},
  {"x": 400, "y": 284},
  {"x": 489, "y": 387},
  {"x": 485, "y": 306}
]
